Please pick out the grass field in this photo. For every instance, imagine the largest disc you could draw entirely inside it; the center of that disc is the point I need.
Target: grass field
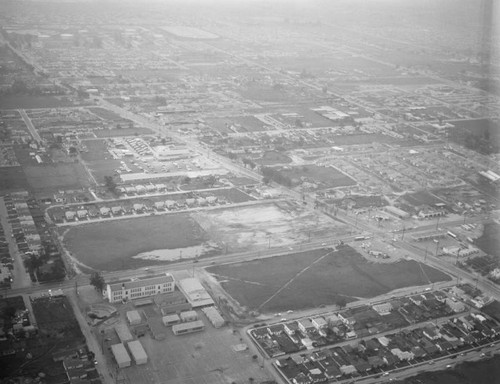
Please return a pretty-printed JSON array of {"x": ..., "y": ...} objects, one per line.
[
  {"x": 12, "y": 179},
  {"x": 31, "y": 102},
  {"x": 112, "y": 245},
  {"x": 101, "y": 168},
  {"x": 52, "y": 177},
  {"x": 309, "y": 279},
  {"x": 489, "y": 242},
  {"x": 273, "y": 157},
  {"x": 105, "y": 114},
  {"x": 328, "y": 176},
  {"x": 477, "y": 372},
  {"x": 122, "y": 132},
  {"x": 97, "y": 150}
]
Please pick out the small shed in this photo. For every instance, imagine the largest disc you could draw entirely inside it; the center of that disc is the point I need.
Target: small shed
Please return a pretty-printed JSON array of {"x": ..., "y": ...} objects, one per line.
[
  {"x": 171, "y": 320},
  {"x": 134, "y": 317},
  {"x": 188, "y": 316}
]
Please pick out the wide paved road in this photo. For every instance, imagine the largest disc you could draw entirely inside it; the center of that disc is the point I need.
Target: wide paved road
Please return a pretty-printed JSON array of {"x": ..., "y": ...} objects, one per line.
[
  {"x": 30, "y": 125},
  {"x": 20, "y": 277}
]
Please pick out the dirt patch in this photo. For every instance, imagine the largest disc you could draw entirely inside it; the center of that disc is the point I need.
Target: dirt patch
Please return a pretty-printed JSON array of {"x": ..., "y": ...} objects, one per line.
[{"x": 267, "y": 225}]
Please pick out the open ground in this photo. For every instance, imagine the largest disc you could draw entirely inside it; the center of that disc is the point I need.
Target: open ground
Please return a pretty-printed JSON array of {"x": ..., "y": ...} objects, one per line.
[
  {"x": 53, "y": 177},
  {"x": 312, "y": 278},
  {"x": 329, "y": 176},
  {"x": 267, "y": 225}
]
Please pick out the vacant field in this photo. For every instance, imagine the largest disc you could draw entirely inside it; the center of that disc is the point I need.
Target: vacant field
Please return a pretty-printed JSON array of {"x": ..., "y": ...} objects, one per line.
[
  {"x": 422, "y": 198},
  {"x": 12, "y": 179},
  {"x": 476, "y": 372},
  {"x": 101, "y": 168},
  {"x": 481, "y": 135},
  {"x": 309, "y": 279},
  {"x": 105, "y": 114},
  {"x": 122, "y": 132},
  {"x": 52, "y": 177},
  {"x": 489, "y": 242},
  {"x": 273, "y": 157},
  {"x": 328, "y": 176},
  {"x": 233, "y": 195},
  {"x": 493, "y": 309},
  {"x": 31, "y": 102},
  {"x": 265, "y": 225},
  {"x": 97, "y": 150},
  {"x": 112, "y": 245},
  {"x": 250, "y": 123}
]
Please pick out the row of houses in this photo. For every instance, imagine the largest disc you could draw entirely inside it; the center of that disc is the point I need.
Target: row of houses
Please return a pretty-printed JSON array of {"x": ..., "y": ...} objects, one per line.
[
  {"x": 384, "y": 353},
  {"x": 359, "y": 322},
  {"x": 93, "y": 212}
]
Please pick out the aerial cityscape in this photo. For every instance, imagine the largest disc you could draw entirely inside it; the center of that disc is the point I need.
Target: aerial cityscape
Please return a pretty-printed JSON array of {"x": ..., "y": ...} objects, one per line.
[{"x": 249, "y": 191}]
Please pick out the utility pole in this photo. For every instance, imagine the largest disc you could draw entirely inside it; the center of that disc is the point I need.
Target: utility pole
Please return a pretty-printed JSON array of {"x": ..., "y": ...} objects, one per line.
[{"x": 437, "y": 222}]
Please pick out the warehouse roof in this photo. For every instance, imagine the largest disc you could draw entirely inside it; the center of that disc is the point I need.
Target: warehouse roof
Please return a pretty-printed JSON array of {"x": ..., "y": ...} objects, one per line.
[
  {"x": 120, "y": 353},
  {"x": 137, "y": 350}
]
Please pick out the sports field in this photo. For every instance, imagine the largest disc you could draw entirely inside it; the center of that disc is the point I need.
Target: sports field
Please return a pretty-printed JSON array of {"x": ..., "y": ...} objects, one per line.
[
  {"x": 310, "y": 279},
  {"x": 112, "y": 245}
]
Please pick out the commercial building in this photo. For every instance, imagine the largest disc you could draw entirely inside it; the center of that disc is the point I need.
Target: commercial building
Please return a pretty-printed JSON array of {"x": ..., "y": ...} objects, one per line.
[
  {"x": 138, "y": 353},
  {"x": 193, "y": 326},
  {"x": 138, "y": 288},
  {"x": 121, "y": 355},
  {"x": 196, "y": 295}
]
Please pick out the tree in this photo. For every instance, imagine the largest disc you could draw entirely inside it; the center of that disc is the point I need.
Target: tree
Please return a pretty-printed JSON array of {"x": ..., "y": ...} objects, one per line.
[
  {"x": 210, "y": 181},
  {"x": 110, "y": 184},
  {"x": 341, "y": 302},
  {"x": 73, "y": 151},
  {"x": 97, "y": 281}
]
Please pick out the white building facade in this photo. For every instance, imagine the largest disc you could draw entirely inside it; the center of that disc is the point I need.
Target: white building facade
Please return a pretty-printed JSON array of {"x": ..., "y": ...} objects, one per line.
[{"x": 139, "y": 288}]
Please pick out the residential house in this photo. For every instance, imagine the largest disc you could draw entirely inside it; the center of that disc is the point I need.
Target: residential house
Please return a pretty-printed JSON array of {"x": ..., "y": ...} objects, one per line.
[
  {"x": 383, "y": 309},
  {"x": 305, "y": 325}
]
